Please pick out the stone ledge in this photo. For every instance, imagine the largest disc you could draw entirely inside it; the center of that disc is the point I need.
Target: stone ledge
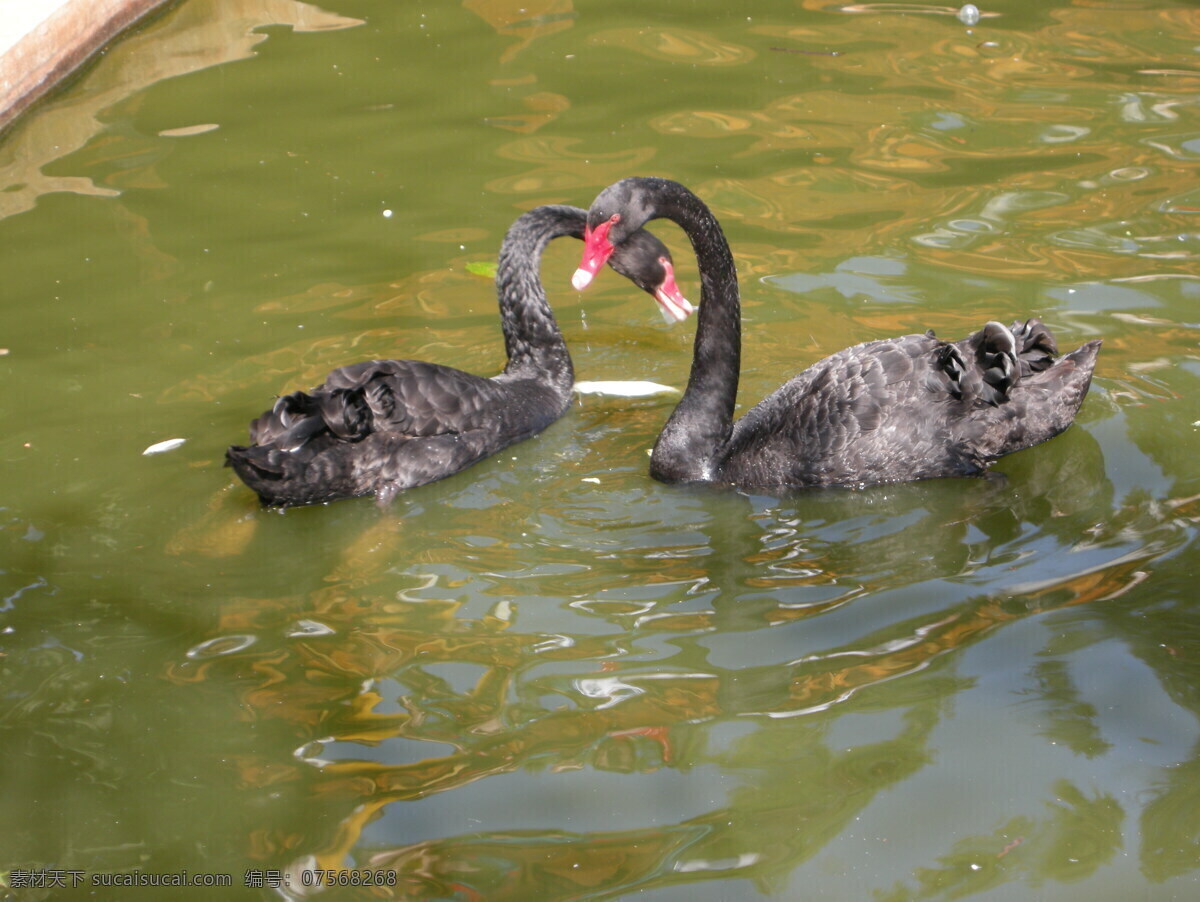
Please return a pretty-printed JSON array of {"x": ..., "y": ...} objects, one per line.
[{"x": 40, "y": 44}]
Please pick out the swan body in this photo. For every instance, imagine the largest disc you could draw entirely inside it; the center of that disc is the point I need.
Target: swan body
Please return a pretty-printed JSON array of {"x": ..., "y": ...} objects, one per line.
[
  {"x": 893, "y": 410},
  {"x": 382, "y": 426}
]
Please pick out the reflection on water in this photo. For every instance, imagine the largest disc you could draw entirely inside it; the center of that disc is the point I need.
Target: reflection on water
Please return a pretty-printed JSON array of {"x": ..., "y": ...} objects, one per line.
[
  {"x": 196, "y": 38},
  {"x": 525, "y": 20},
  {"x": 676, "y": 45},
  {"x": 550, "y": 677},
  {"x": 400, "y": 700}
]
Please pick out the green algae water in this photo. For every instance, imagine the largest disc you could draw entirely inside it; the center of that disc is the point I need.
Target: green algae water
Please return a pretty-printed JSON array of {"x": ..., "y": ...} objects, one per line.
[{"x": 550, "y": 677}]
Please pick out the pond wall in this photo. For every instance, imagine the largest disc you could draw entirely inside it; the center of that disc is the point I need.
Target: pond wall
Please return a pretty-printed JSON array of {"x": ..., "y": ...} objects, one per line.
[{"x": 43, "y": 43}]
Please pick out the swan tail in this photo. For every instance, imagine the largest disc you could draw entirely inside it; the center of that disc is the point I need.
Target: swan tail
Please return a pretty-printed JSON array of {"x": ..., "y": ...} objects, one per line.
[
  {"x": 307, "y": 475},
  {"x": 1018, "y": 392},
  {"x": 1072, "y": 378},
  {"x": 287, "y": 462},
  {"x": 262, "y": 468},
  {"x": 1044, "y": 404}
]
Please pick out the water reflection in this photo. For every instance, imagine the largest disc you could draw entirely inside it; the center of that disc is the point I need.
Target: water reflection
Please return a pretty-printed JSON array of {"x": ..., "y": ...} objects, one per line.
[
  {"x": 399, "y": 699},
  {"x": 201, "y": 35},
  {"x": 524, "y": 20},
  {"x": 913, "y": 114},
  {"x": 676, "y": 45}
]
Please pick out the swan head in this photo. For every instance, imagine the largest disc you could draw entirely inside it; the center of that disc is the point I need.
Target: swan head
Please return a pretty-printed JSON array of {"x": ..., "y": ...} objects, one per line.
[
  {"x": 614, "y": 235},
  {"x": 618, "y": 212},
  {"x": 646, "y": 262}
]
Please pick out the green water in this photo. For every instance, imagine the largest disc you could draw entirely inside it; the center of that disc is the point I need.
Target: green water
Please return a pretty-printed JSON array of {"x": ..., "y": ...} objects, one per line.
[{"x": 550, "y": 677}]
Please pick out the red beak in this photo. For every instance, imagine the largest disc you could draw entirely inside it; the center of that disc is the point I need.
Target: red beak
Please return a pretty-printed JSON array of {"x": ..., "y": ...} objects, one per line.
[
  {"x": 673, "y": 306},
  {"x": 596, "y": 251}
]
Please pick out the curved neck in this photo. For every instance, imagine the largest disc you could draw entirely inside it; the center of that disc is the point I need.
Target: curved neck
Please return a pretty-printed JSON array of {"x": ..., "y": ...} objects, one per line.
[
  {"x": 532, "y": 339},
  {"x": 690, "y": 445}
]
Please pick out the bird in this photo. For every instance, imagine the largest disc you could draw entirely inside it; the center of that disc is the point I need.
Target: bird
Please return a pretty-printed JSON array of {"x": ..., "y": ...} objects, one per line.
[
  {"x": 892, "y": 410},
  {"x": 383, "y": 426}
]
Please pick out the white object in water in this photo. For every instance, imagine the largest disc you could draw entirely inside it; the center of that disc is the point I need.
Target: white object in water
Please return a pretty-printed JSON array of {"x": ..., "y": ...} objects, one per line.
[
  {"x": 969, "y": 14},
  {"x": 625, "y": 389},
  {"x": 159, "y": 447}
]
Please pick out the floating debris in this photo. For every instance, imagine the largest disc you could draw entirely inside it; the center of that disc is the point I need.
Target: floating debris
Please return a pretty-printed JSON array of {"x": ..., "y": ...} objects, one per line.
[
  {"x": 635, "y": 388},
  {"x": 159, "y": 447},
  {"x": 189, "y": 130},
  {"x": 310, "y": 628}
]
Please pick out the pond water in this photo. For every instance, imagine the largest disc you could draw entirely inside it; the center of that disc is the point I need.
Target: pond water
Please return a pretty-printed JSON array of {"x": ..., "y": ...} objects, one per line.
[{"x": 550, "y": 677}]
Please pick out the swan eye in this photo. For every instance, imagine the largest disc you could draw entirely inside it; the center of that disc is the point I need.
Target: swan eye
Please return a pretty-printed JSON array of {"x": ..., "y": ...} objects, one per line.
[{"x": 615, "y": 218}]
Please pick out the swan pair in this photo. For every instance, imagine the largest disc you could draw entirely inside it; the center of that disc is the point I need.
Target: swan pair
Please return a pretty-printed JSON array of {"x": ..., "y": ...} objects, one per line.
[{"x": 898, "y": 409}]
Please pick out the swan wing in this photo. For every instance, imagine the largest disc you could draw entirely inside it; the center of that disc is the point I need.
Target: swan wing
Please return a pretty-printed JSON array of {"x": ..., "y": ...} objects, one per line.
[
  {"x": 912, "y": 407},
  {"x": 835, "y": 423},
  {"x": 382, "y": 426},
  {"x": 408, "y": 397},
  {"x": 381, "y": 464},
  {"x": 411, "y": 397}
]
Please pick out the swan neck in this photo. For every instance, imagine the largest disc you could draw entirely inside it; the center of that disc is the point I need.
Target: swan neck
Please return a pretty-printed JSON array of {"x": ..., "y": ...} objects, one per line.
[
  {"x": 532, "y": 339},
  {"x": 690, "y": 446}
]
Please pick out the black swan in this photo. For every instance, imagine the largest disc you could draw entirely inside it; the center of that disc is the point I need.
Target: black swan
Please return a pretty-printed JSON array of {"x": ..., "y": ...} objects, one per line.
[
  {"x": 378, "y": 427},
  {"x": 893, "y": 410}
]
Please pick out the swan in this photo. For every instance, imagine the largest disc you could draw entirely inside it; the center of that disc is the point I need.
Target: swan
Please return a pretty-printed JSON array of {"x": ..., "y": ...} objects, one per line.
[
  {"x": 379, "y": 427},
  {"x": 893, "y": 410}
]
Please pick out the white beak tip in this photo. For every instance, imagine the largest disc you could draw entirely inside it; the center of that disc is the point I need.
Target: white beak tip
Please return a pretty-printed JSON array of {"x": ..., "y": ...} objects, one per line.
[
  {"x": 581, "y": 279},
  {"x": 674, "y": 309}
]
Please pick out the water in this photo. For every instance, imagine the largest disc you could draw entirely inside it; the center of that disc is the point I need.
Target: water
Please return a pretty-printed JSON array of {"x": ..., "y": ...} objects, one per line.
[{"x": 551, "y": 677}]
